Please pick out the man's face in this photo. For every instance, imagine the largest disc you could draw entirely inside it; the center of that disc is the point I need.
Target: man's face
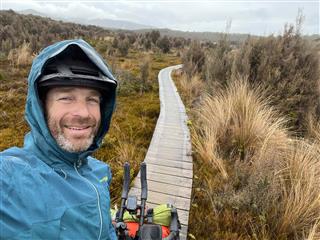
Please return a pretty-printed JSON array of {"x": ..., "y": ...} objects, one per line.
[{"x": 73, "y": 116}]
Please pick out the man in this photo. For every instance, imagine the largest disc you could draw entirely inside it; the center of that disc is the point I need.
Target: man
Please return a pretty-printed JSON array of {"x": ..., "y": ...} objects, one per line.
[{"x": 52, "y": 188}]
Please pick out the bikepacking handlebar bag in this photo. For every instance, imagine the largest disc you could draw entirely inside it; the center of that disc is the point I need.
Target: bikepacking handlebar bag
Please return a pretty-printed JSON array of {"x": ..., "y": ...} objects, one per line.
[{"x": 161, "y": 216}]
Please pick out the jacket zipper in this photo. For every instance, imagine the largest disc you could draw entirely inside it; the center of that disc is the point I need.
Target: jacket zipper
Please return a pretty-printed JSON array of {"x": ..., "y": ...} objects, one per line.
[{"x": 97, "y": 193}]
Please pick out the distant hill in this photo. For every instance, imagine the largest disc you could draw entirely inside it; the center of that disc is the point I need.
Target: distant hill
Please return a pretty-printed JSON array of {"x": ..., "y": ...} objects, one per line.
[
  {"x": 105, "y": 22},
  {"x": 32, "y": 12},
  {"x": 111, "y": 24},
  {"x": 41, "y": 31},
  {"x": 212, "y": 36},
  {"x": 140, "y": 28},
  {"x": 205, "y": 36}
]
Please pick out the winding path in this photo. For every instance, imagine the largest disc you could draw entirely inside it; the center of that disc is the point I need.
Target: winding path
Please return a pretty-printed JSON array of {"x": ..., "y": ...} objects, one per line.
[{"x": 169, "y": 160}]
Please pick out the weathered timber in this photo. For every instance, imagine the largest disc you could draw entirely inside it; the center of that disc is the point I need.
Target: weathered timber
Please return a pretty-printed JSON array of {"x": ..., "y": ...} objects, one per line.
[{"x": 169, "y": 160}]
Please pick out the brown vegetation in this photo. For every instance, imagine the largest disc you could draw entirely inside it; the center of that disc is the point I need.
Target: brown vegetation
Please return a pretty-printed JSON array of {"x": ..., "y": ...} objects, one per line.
[
  {"x": 287, "y": 66},
  {"x": 39, "y": 32},
  {"x": 256, "y": 182},
  {"x": 255, "y": 176}
]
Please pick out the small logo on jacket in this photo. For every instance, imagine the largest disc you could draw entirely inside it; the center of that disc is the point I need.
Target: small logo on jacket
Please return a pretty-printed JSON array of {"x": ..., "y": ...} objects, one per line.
[{"x": 104, "y": 179}]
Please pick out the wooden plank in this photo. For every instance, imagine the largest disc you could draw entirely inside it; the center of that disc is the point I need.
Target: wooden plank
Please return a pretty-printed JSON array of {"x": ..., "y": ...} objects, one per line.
[
  {"x": 165, "y": 188},
  {"x": 170, "y": 135},
  {"x": 169, "y": 138},
  {"x": 168, "y": 157},
  {"x": 172, "y": 138},
  {"x": 169, "y": 160},
  {"x": 173, "y": 152},
  {"x": 172, "y": 142},
  {"x": 160, "y": 198},
  {"x": 169, "y": 132},
  {"x": 174, "y": 180},
  {"x": 183, "y": 232},
  {"x": 165, "y": 169},
  {"x": 174, "y": 129},
  {"x": 169, "y": 163},
  {"x": 159, "y": 161},
  {"x": 166, "y": 146},
  {"x": 176, "y": 124}
]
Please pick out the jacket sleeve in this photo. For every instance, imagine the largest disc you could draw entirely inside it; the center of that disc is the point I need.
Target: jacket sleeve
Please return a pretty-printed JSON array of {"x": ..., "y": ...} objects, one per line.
[
  {"x": 112, "y": 231},
  {"x": 12, "y": 222}
]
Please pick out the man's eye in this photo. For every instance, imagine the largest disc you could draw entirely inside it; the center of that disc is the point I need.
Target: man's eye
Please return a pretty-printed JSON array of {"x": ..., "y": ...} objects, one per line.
[
  {"x": 94, "y": 100},
  {"x": 65, "y": 99}
]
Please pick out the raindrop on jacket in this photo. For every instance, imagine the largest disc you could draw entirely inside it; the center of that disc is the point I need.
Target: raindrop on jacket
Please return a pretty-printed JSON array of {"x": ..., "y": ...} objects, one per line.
[{"x": 46, "y": 192}]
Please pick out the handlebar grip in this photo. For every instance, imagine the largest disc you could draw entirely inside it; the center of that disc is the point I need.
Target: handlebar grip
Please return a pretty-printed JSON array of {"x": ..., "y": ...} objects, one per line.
[
  {"x": 126, "y": 180},
  {"x": 174, "y": 225},
  {"x": 143, "y": 178}
]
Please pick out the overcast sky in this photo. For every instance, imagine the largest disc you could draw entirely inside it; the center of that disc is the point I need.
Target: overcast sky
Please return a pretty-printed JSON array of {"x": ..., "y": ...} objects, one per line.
[{"x": 255, "y": 17}]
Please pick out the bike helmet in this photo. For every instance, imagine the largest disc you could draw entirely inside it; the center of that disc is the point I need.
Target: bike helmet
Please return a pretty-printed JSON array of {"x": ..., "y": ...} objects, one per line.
[{"x": 72, "y": 67}]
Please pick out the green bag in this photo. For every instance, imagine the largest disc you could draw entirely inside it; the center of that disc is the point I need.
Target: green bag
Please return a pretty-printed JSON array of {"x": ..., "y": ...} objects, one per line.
[
  {"x": 162, "y": 214},
  {"x": 127, "y": 217}
]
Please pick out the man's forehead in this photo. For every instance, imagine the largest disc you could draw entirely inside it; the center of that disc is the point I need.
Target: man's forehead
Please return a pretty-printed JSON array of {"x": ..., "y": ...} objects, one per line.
[{"x": 70, "y": 89}]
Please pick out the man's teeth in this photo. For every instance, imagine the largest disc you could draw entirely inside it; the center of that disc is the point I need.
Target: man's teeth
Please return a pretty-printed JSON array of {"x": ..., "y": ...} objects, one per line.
[{"x": 74, "y": 128}]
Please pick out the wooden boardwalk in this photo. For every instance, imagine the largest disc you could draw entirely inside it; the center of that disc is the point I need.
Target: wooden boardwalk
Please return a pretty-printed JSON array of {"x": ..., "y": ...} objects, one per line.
[{"x": 169, "y": 160}]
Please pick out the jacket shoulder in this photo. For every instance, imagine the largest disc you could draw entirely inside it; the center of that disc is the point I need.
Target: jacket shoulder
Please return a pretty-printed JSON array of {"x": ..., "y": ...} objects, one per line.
[
  {"x": 93, "y": 162},
  {"x": 13, "y": 160},
  {"x": 100, "y": 169}
]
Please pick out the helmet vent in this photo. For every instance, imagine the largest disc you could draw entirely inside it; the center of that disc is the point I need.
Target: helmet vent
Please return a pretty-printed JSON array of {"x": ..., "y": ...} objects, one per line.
[
  {"x": 50, "y": 70},
  {"x": 84, "y": 71}
]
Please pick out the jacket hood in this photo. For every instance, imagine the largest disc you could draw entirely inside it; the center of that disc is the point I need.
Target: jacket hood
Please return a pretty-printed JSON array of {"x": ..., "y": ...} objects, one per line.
[{"x": 39, "y": 139}]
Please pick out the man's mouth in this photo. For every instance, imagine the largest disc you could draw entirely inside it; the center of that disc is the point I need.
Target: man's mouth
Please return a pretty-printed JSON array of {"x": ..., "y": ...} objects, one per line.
[{"x": 78, "y": 128}]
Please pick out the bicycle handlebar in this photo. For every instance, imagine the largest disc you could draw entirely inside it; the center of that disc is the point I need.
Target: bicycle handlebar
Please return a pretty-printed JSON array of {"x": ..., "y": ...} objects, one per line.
[
  {"x": 143, "y": 178},
  {"x": 126, "y": 181}
]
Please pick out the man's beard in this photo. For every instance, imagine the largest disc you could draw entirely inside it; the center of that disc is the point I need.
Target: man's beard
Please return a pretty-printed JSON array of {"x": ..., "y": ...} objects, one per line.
[{"x": 57, "y": 131}]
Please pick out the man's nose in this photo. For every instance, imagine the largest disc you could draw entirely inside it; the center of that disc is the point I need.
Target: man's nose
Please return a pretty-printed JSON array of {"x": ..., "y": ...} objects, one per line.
[{"x": 81, "y": 109}]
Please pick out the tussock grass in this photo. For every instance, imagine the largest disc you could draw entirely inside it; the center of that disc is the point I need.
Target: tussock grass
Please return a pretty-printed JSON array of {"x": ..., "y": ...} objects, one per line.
[
  {"x": 286, "y": 66},
  {"x": 192, "y": 88},
  {"x": 296, "y": 183},
  {"x": 314, "y": 128},
  {"x": 21, "y": 56},
  {"x": 239, "y": 122},
  {"x": 257, "y": 182}
]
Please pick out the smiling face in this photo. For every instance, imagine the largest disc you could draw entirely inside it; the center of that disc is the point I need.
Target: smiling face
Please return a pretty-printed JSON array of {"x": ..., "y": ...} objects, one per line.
[{"x": 73, "y": 116}]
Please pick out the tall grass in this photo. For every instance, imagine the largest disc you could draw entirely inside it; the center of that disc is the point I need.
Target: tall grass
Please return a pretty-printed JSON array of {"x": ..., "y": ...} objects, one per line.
[
  {"x": 192, "y": 88},
  {"x": 287, "y": 66},
  {"x": 263, "y": 184},
  {"x": 241, "y": 122},
  {"x": 22, "y": 56},
  {"x": 296, "y": 184}
]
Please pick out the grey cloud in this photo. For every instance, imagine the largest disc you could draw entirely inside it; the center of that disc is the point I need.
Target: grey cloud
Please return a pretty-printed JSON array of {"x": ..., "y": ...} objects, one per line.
[{"x": 251, "y": 17}]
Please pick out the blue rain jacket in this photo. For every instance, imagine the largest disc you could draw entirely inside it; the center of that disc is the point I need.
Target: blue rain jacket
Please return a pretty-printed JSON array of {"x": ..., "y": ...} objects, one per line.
[{"x": 46, "y": 192}]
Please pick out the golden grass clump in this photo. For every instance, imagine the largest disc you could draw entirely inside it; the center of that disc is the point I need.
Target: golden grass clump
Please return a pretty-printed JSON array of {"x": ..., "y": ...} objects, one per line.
[
  {"x": 191, "y": 88},
  {"x": 21, "y": 56},
  {"x": 296, "y": 183},
  {"x": 266, "y": 184},
  {"x": 313, "y": 128},
  {"x": 238, "y": 122}
]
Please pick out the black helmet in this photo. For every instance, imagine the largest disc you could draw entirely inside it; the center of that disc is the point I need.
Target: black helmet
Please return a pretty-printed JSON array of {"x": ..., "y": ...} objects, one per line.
[{"x": 72, "y": 67}]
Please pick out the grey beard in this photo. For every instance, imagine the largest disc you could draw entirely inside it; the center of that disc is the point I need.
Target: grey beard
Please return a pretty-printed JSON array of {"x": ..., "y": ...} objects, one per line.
[{"x": 65, "y": 144}]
